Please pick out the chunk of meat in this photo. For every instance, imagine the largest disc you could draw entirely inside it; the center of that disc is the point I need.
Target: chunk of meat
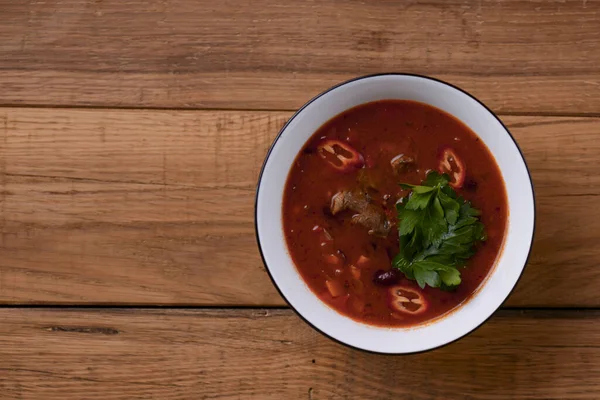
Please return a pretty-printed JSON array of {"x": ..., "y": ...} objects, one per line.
[
  {"x": 368, "y": 214},
  {"x": 401, "y": 163},
  {"x": 347, "y": 200},
  {"x": 374, "y": 219}
]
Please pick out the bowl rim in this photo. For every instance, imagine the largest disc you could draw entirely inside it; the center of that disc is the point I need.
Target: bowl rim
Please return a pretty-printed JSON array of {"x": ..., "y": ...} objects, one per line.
[{"x": 268, "y": 154}]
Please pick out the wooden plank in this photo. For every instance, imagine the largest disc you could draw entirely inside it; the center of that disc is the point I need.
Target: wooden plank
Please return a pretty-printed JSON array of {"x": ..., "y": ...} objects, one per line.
[
  {"x": 517, "y": 56},
  {"x": 132, "y": 207},
  {"x": 156, "y": 207},
  {"x": 254, "y": 354}
]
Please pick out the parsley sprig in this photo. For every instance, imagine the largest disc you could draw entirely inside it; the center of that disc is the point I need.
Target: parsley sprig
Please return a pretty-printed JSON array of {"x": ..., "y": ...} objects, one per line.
[{"x": 438, "y": 232}]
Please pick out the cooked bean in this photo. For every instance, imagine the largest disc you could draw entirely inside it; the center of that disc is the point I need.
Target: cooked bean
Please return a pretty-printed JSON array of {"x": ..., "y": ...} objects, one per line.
[{"x": 386, "y": 278}]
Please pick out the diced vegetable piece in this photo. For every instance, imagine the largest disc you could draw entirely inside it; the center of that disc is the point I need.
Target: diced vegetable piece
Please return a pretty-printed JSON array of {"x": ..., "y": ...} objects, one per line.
[
  {"x": 362, "y": 261},
  {"x": 333, "y": 259},
  {"x": 355, "y": 271},
  {"x": 335, "y": 288},
  {"x": 358, "y": 286}
]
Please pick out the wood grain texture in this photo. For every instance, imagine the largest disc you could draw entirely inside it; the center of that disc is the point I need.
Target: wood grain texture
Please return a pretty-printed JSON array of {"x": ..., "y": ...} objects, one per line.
[
  {"x": 517, "y": 56},
  {"x": 258, "y": 354},
  {"x": 156, "y": 207},
  {"x": 141, "y": 207}
]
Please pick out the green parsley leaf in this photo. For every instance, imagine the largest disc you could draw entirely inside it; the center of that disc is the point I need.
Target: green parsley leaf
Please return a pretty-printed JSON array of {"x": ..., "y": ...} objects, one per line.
[
  {"x": 450, "y": 206},
  {"x": 438, "y": 233},
  {"x": 434, "y": 274},
  {"x": 435, "y": 179},
  {"x": 419, "y": 201},
  {"x": 426, "y": 224},
  {"x": 450, "y": 278}
]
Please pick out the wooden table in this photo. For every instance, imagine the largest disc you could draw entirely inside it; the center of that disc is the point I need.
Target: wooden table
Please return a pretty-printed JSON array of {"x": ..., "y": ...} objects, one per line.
[{"x": 131, "y": 136}]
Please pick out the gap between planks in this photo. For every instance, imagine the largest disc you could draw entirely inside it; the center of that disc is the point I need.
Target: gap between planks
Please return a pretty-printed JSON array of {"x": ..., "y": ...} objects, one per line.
[{"x": 507, "y": 113}]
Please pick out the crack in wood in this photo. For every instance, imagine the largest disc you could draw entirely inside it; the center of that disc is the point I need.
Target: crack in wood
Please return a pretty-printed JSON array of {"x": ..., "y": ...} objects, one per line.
[
  {"x": 160, "y": 185},
  {"x": 83, "y": 329}
]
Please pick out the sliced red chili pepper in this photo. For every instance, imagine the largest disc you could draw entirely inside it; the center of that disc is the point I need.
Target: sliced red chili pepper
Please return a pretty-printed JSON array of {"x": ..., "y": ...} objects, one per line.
[
  {"x": 407, "y": 300},
  {"x": 340, "y": 155},
  {"x": 452, "y": 165}
]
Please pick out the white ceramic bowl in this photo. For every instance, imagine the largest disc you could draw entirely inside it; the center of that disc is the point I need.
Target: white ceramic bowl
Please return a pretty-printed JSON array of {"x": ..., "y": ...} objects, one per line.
[{"x": 518, "y": 240}]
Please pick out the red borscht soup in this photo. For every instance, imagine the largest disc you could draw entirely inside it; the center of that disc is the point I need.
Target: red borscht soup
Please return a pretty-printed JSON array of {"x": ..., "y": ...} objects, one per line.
[{"x": 394, "y": 213}]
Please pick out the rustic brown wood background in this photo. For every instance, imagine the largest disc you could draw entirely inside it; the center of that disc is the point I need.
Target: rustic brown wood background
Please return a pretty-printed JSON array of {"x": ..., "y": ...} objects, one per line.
[{"x": 131, "y": 137}]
